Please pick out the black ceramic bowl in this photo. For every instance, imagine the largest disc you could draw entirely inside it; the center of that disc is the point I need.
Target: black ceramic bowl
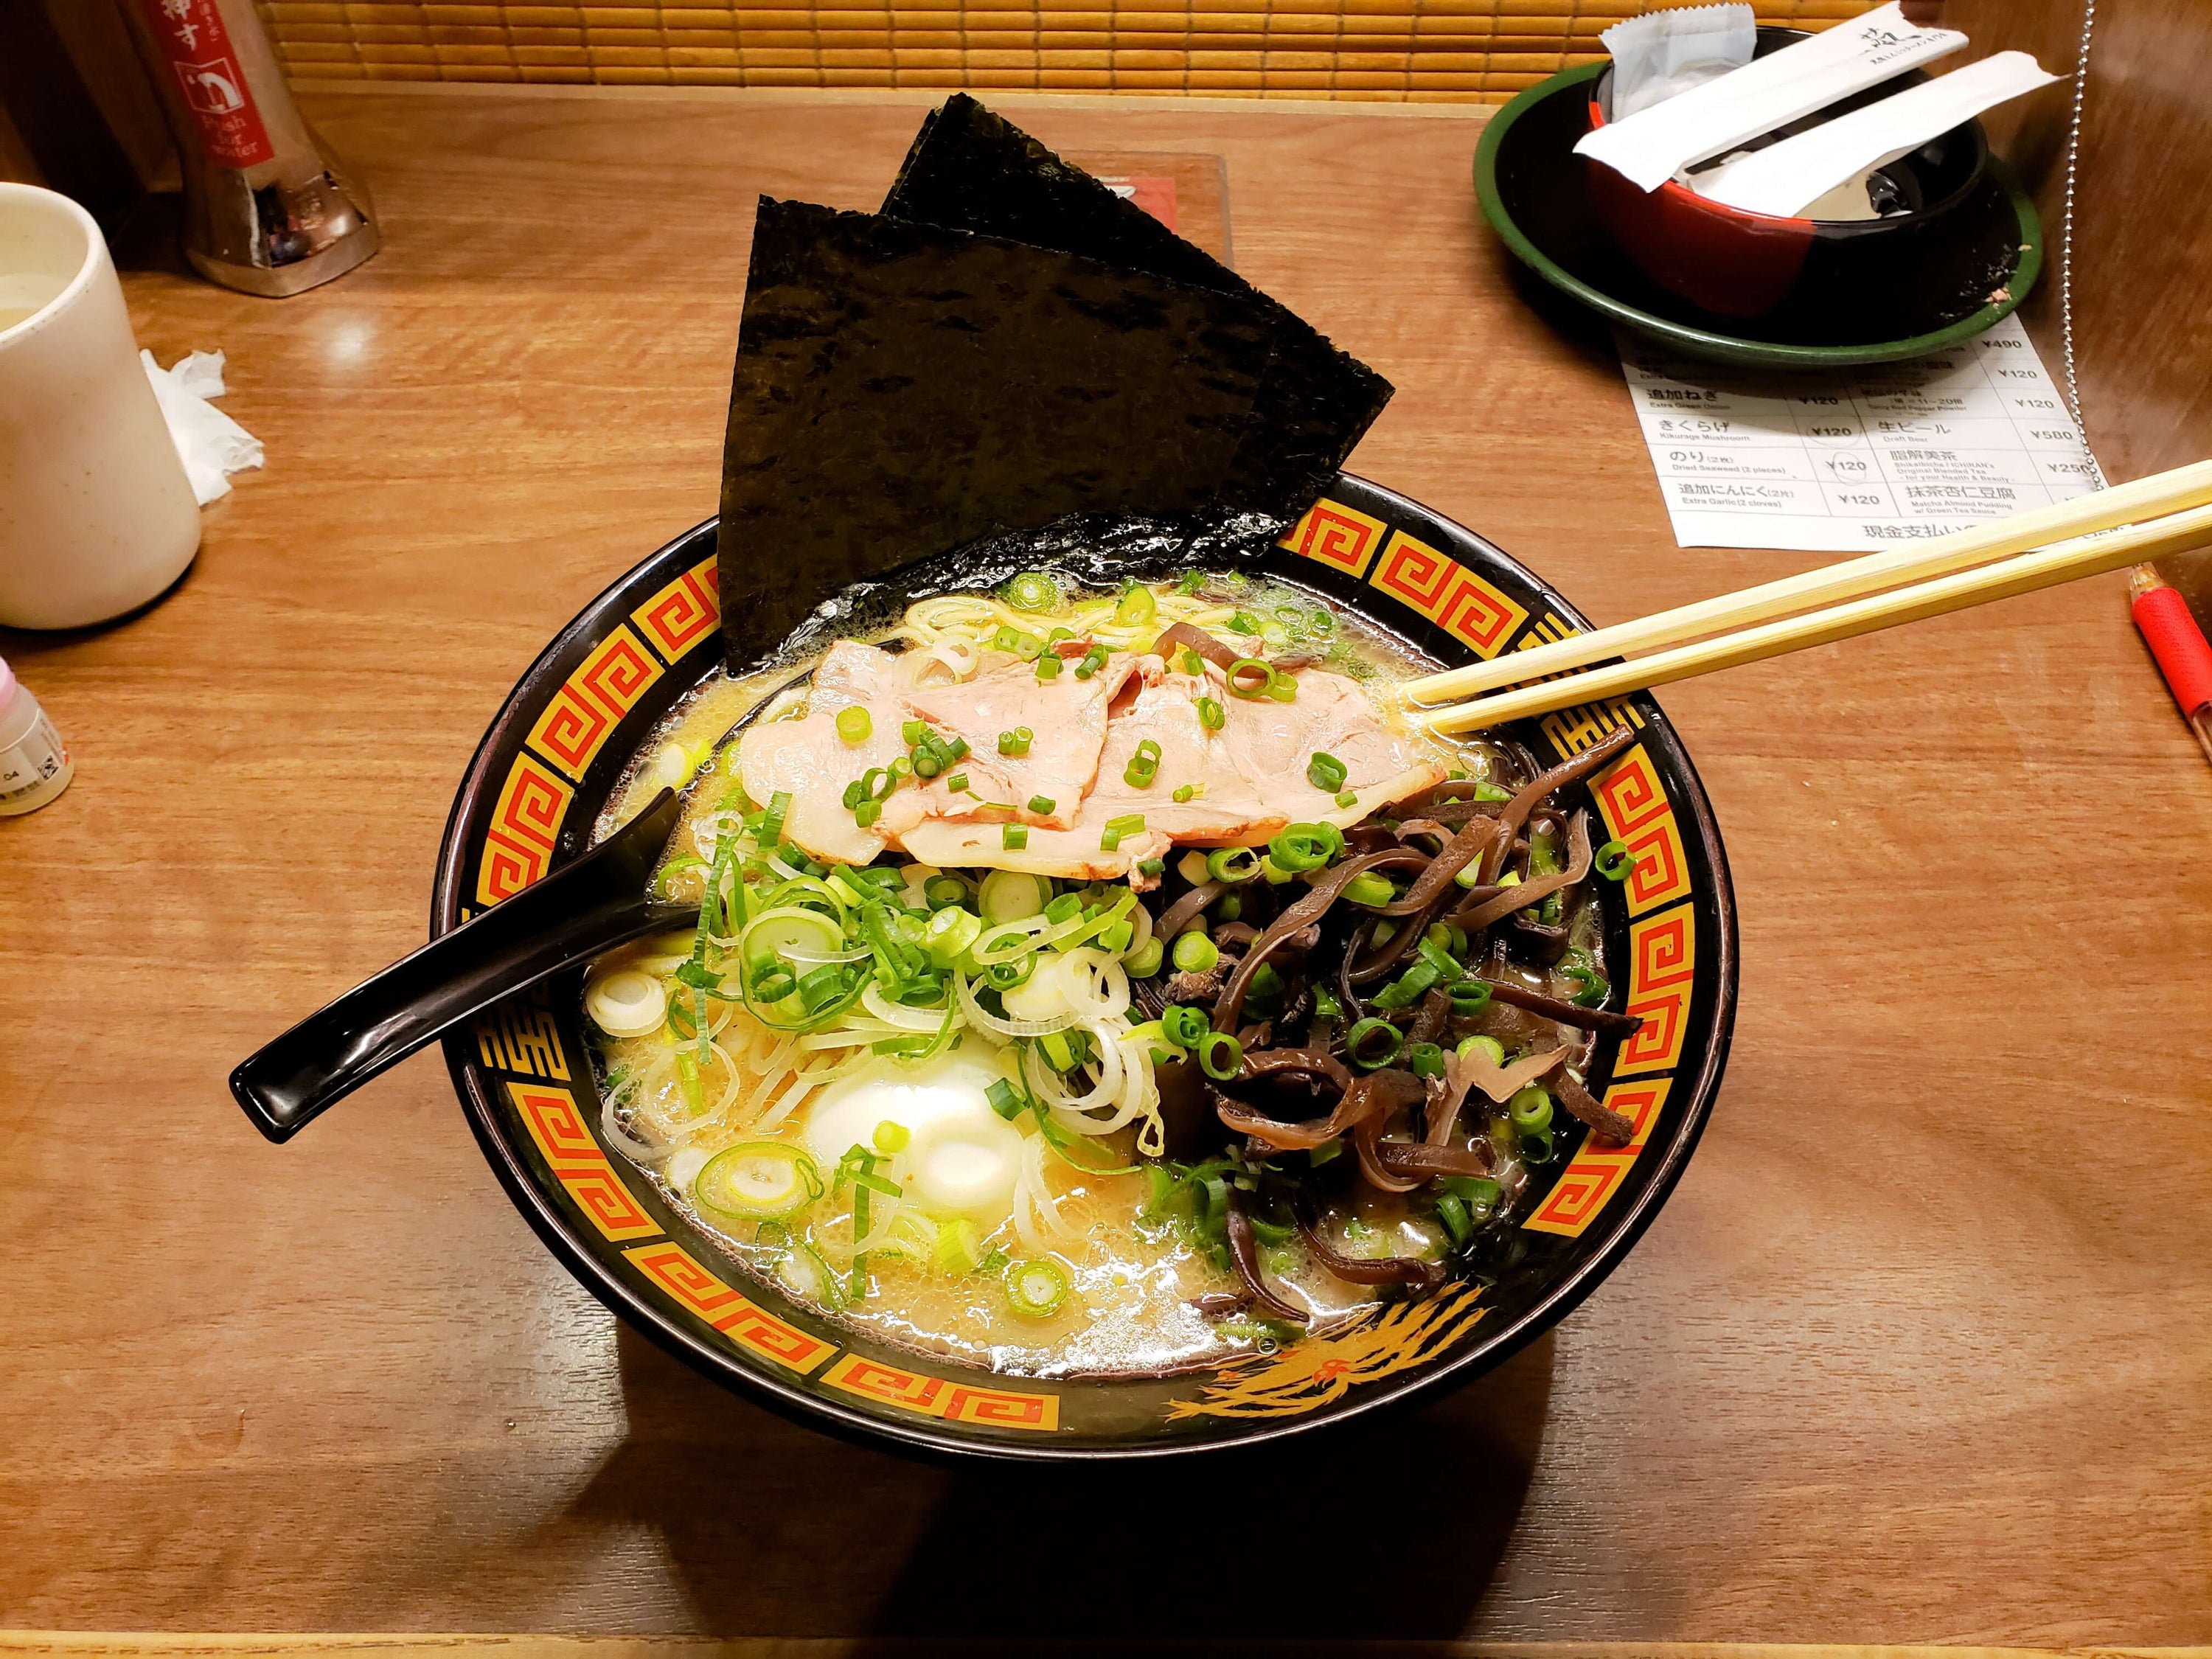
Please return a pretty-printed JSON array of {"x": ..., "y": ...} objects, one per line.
[{"x": 524, "y": 1070}]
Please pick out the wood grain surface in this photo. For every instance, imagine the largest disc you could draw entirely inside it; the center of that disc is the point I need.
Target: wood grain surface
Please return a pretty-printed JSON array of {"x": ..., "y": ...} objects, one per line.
[{"x": 1917, "y": 1352}]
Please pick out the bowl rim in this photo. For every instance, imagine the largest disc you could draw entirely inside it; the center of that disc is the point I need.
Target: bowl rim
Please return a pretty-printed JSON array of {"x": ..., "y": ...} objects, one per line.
[
  {"x": 790, "y": 1400},
  {"x": 1707, "y": 343}
]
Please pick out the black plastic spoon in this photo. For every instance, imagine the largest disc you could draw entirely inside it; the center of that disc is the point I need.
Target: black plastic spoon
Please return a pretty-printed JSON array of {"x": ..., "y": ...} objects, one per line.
[{"x": 580, "y": 910}]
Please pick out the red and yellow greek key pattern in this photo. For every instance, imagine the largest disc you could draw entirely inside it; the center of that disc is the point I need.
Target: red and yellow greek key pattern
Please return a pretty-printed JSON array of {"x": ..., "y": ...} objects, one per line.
[
  {"x": 590, "y": 704},
  {"x": 1634, "y": 804},
  {"x": 1448, "y": 594},
  {"x": 697, "y": 1291},
  {"x": 1596, "y": 1171},
  {"x": 1337, "y": 535},
  {"x": 556, "y": 1124},
  {"x": 933, "y": 1396},
  {"x": 1662, "y": 963},
  {"x": 1002, "y": 1408},
  {"x": 683, "y": 613},
  {"x": 524, "y": 826}
]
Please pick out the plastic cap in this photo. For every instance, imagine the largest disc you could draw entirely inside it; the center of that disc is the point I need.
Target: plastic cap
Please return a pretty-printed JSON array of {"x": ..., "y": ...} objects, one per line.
[{"x": 2176, "y": 640}]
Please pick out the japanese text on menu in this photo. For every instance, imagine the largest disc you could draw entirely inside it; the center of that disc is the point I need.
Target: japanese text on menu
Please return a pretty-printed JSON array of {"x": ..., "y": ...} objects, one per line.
[{"x": 1842, "y": 461}]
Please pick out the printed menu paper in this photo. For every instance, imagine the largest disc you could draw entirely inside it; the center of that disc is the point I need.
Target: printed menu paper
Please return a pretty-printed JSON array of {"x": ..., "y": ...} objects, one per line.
[{"x": 1845, "y": 461}]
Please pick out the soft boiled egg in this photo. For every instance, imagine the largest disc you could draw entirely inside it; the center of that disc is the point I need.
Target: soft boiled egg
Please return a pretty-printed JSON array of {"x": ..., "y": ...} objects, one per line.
[{"x": 960, "y": 1159}]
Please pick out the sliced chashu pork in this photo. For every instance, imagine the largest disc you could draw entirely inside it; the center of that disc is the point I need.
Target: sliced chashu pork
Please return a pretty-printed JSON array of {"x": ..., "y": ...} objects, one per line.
[
  {"x": 1225, "y": 810},
  {"x": 807, "y": 759},
  {"x": 1066, "y": 717},
  {"x": 1272, "y": 744}
]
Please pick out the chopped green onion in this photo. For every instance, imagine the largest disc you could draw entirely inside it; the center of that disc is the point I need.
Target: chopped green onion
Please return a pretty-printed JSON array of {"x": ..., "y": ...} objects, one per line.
[
  {"x": 1211, "y": 714},
  {"x": 1037, "y": 1290},
  {"x": 1425, "y": 1060},
  {"x": 1183, "y": 791},
  {"x": 1184, "y": 1026},
  {"x": 913, "y": 731},
  {"x": 958, "y": 782},
  {"x": 1093, "y": 660},
  {"x": 949, "y": 933},
  {"x": 758, "y": 1180},
  {"x": 1453, "y": 1214},
  {"x": 1048, "y": 667},
  {"x": 1490, "y": 1047},
  {"x": 1303, "y": 846},
  {"x": 1007, "y": 637},
  {"x": 1194, "y": 952},
  {"x": 1325, "y": 771},
  {"x": 1138, "y": 606},
  {"x": 1243, "y": 621},
  {"x": 1004, "y": 1100},
  {"x": 1041, "y": 805},
  {"x": 940, "y": 890},
  {"x": 1190, "y": 582},
  {"x": 1348, "y": 797},
  {"x": 1130, "y": 823},
  {"x": 1368, "y": 889},
  {"x": 958, "y": 1250},
  {"x": 1064, "y": 909},
  {"x": 1366, "y": 1046},
  {"x": 1151, "y": 867},
  {"x": 771, "y": 829},
  {"x": 1479, "y": 1193},
  {"x": 1615, "y": 860},
  {"x": 1240, "y": 682},
  {"x": 890, "y": 1137},
  {"x": 1282, "y": 687},
  {"x": 1228, "y": 908},
  {"x": 1488, "y": 791},
  {"x": 1016, "y": 742},
  {"x": 1033, "y": 591},
  {"x": 1145, "y": 961},
  {"x": 854, "y": 724},
  {"x": 855, "y": 793},
  {"x": 1219, "y": 1054},
  {"x": 1234, "y": 865},
  {"x": 1192, "y": 664},
  {"x": 1012, "y": 837},
  {"x": 867, "y": 812},
  {"x": 1530, "y": 1109},
  {"x": 1469, "y": 997}
]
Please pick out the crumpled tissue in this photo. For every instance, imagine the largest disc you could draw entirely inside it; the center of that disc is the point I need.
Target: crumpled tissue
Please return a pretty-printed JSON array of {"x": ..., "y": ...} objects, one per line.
[{"x": 211, "y": 444}]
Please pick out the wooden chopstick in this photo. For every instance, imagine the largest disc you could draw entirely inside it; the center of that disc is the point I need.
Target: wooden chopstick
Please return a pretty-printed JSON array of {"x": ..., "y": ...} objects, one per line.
[
  {"x": 2161, "y": 492},
  {"x": 2047, "y": 566}
]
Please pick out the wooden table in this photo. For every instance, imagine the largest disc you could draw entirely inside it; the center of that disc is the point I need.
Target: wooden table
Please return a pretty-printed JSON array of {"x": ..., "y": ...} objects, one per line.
[{"x": 1917, "y": 1352}]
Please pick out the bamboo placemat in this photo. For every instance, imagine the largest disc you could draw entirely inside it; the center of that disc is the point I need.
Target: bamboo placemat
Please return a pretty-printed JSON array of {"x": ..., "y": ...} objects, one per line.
[{"x": 1464, "y": 50}]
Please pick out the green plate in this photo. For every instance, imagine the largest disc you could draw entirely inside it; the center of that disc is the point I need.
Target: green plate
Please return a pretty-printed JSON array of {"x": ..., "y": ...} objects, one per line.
[{"x": 1571, "y": 251}]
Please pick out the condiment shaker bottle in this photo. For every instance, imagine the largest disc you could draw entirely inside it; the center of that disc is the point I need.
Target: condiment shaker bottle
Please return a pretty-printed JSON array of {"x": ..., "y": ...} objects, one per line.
[{"x": 35, "y": 768}]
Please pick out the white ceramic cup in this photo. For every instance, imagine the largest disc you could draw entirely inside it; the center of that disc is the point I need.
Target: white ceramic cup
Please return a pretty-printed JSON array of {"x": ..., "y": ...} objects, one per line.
[{"x": 96, "y": 515}]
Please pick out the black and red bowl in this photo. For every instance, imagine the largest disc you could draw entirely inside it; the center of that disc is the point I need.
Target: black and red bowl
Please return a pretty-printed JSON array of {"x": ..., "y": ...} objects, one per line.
[{"x": 523, "y": 1069}]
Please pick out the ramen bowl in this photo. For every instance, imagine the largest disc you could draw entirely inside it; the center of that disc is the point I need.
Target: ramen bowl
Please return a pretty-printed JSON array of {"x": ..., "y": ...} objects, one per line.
[{"x": 559, "y": 749}]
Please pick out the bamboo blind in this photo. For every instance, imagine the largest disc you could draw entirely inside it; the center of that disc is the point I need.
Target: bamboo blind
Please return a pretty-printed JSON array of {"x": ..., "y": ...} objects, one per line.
[{"x": 1466, "y": 50}]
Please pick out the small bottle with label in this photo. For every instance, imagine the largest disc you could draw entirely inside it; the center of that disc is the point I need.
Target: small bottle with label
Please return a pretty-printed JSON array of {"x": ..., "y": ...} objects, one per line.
[{"x": 35, "y": 768}]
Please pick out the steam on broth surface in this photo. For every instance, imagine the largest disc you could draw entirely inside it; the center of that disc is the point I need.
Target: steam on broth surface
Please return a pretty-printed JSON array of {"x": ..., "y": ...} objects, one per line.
[{"x": 1103, "y": 982}]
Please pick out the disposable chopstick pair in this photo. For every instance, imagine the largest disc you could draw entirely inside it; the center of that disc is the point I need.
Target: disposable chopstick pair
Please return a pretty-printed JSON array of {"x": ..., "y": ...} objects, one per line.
[{"x": 2150, "y": 518}]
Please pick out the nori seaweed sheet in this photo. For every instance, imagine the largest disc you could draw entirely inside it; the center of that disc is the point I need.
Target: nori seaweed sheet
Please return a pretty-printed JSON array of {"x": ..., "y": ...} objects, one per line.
[
  {"x": 969, "y": 169},
  {"x": 902, "y": 389}
]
